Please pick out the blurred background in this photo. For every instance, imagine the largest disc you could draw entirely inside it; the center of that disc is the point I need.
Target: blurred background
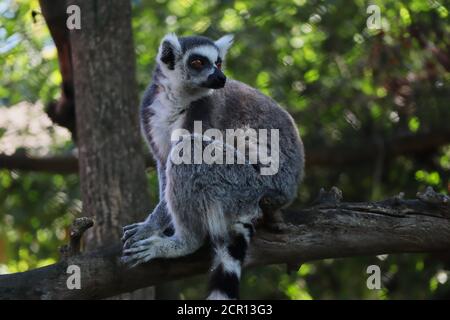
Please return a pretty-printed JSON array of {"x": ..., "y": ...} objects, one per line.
[{"x": 373, "y": 108}]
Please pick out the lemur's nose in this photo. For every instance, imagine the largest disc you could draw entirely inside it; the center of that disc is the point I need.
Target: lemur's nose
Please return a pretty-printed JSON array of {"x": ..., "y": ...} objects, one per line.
[
  {"x": 216, "y": 80},
  {"x": 220, "y": 75}
]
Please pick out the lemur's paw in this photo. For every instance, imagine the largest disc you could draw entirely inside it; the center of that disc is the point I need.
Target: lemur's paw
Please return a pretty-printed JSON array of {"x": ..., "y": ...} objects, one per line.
[
  {"x": 136, "y": 232},
  {"x": 140, "y": 251},
  {"x": 130, "y": 230}
]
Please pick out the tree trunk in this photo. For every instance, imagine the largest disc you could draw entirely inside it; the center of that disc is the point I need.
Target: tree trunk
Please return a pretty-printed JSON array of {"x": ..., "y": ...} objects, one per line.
[{"x": 111, "y": 162}]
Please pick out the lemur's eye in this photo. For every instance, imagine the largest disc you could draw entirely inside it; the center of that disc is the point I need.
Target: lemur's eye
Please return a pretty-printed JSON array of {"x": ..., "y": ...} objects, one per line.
[
  {"x": 219, "y": 65},
  {"x": 197, "y": 64}
]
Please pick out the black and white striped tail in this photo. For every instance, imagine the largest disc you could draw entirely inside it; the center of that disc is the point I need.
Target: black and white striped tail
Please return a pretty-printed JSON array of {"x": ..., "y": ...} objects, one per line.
[{"x": 228, "y": 260}]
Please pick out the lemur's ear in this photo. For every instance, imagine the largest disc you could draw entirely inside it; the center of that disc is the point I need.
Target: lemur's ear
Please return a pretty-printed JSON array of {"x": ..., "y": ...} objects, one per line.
[
  {"x": 224, "y": 44},
  {"x": 169, "y": 50}
]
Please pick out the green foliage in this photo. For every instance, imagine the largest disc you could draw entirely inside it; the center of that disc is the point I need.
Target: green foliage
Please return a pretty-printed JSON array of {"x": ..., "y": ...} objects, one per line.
[
  {"x": 345, "y": 85},
  {"x": 26, "y": 52},
  {"x": 34, "y": 214}
]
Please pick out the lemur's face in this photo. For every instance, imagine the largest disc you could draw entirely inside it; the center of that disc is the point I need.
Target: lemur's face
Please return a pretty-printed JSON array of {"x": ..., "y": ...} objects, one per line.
[
  {"x": 194, "y": 62},
  {"x": 203, "y": 66}
]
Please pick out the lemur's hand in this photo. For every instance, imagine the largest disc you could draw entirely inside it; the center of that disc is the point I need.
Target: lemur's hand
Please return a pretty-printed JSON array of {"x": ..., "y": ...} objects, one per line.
[
  {"x": 143, "y": 230},
  {"x": 141, "y": 251},
  {"x": 137, "y": 231}
]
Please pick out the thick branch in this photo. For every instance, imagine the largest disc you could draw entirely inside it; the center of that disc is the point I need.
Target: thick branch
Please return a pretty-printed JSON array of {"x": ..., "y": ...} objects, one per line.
[
  {"x": 328, "y": 230},
  {"x": 325, "y": 157}
]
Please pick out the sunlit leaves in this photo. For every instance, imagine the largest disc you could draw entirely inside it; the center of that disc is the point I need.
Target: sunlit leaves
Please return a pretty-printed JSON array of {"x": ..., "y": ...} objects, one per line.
[
  {"x": 179, "y": 7},
  {"x": 444, "y": 160},
  {"x": 262, "y": 80},
  {"x": 231, "y": 21},
  {"x": 311, "y": 75},
  {"x": 405, "y": 17},
  {"x": 414, "y": 124},
  {"x": 429, "y": 178}
]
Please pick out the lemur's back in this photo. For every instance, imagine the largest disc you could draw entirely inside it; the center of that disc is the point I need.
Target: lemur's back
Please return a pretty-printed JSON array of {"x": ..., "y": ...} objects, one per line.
[
  {"x": 246, "y": 106},
  {"x": 239, "y": 106}
]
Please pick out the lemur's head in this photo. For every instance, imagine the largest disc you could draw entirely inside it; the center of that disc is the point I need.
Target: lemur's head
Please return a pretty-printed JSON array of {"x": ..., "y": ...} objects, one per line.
[{"x": 194, "y": 62}]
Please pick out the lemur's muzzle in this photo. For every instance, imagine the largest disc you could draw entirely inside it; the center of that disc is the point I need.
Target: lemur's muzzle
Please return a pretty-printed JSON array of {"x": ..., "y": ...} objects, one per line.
[{"x": 215, "y": 80}]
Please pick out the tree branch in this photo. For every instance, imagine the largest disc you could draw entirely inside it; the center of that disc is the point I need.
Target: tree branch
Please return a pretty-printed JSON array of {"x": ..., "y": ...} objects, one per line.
[
  {"x": 329, "y": 229},
  {"x": 61, "y": 112},
  {"x": 78, "y": 228},
  {"x": 402, "y": 145},
  {"x": 325, "y": 157},
  {"x": 56, "y": 164}
]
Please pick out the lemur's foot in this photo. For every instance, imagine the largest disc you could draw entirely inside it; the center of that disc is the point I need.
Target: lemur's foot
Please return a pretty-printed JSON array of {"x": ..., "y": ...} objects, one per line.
[
  {"x": 141, "y": 251},
  {"x": 274, "y": 222},
  {"x": 276, "y": 227}
]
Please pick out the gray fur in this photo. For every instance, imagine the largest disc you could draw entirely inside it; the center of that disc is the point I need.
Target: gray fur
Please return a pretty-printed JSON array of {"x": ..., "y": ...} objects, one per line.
[{"x": 201, "y": 201}]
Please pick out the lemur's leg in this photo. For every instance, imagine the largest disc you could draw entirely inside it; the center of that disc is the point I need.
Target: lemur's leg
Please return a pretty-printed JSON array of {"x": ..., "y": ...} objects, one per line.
[
  {"x": 202, "y": 199},
  {"x": 157, "y": 222},
  {"x": 229, "y": 257},
  {"x": 187, "y": 211}
]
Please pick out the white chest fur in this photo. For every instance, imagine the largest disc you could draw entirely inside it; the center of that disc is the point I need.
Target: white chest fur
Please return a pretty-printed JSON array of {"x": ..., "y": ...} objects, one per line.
[{"x": 166, "y": 118}]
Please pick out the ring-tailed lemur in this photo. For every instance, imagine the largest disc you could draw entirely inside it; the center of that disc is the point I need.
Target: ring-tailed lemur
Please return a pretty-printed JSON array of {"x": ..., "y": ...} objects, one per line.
[{"x": 203, "y": 201}]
